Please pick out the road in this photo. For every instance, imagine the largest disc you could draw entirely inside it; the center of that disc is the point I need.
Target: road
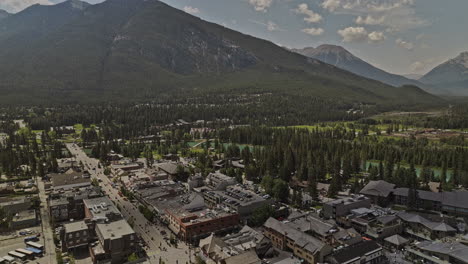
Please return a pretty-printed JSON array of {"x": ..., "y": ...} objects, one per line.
[
  {"x": 47, "y": 230},
  {"x": 150, "y": 233}
]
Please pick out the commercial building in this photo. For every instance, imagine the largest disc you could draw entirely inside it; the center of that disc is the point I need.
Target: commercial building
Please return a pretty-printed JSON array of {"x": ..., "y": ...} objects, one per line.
[
  {"x": 342, "y": 207},
  {"x": 236, "y": 198},
  {"x": 247, "y": 244},
  {"x": 439, "y": 253},
  {"x": 191, "y": 226},
  {"x": 218, "y": 181},
  {"x": 71, "y": 179},
  {"x": 287, "y": 237},
  {"x": 385, "y": 194},
  {"x": 420, "y": 227},
  {"x": 75, "y": 235},
  {"x": 366, "y": 252},
  {"x": 116, "y": 238},
  {"x": 66, "y": 205}
]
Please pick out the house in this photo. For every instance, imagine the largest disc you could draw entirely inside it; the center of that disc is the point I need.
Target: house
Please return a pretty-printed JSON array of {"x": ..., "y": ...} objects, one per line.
[{"x": 396, "y": 242}]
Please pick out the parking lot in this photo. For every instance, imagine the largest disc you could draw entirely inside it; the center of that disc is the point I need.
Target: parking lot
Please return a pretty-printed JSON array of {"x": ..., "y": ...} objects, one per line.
[{"x": 14, "y": 240}]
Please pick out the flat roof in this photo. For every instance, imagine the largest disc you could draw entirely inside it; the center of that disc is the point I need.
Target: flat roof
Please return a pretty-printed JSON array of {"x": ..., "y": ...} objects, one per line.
[
  {"x": 115, "y": 229},
  {"x": 75, "y": 226}
]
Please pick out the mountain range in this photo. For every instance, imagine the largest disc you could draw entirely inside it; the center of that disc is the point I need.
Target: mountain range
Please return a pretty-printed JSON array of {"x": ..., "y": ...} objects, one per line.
[
  {"x": 342, "y": 58},
  {"x": 142, "y": 49},
  {"x": 4, "y": 14},
  {"x": 450, "y": 76}
]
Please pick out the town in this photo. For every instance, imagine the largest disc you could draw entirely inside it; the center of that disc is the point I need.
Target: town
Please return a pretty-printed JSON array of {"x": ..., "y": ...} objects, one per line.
[{"x": 96, "y": 202}]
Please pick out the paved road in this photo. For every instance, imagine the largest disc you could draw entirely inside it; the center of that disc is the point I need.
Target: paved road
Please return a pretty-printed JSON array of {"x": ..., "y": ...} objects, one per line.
[
  {"x": 47, "y": 230},
  {"x": 148, "y": 231}
]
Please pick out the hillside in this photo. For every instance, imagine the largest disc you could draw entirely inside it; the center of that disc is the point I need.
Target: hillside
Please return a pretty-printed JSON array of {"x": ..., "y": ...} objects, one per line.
[
  {"x": 3, "y": 14},
  {"x": 342, "y": 58},
  {"x": 145, "y": 49},
  {"x": 451, "y": 76}
]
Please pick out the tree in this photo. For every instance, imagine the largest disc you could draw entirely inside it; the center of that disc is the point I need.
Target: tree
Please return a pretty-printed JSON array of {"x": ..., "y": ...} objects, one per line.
[
  {"x": 132, "y": 257},
  {"x": 267, "y": 184},
  {"x": 280, "y": 190},
  {"x": 260, "y": 215}
]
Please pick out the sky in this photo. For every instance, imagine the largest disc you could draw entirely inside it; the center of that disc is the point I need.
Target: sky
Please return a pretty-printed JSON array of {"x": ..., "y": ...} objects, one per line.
[{"x": 399, "y": 36}]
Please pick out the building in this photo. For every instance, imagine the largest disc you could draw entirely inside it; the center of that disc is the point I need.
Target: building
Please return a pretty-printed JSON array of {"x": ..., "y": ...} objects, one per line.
[
  {"x": 75, "y": 235},
  {"x": 379, "y": 191},
  {"x": 14, "y": 205},
  {"x": 384, "y": 226},
  {"x": 236, "y": 198},
  {"x": 287, "y": 237},
  {"x": 116, "y": 238},
  {"x": 24, "y": 219},
  {"x": 66, "y": 205},
  {"x": 218, "y": 181},
  {"x": 193, "y": 225},
  {"x": 366, "y": 252},
  {"x": 342, "y": 207},
  {"x": 385, "y": 194},
  {"x": 70, "y": 180},
  {"x": 439, "y": 253},
  {"x": 247, "y": 245},
  {"x": 422, "y": 228}
]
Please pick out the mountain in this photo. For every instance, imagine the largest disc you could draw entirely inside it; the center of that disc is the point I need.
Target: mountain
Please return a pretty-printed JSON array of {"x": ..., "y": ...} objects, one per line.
[
  {"x": 342, "y": 58},
  {"x": 413, "y": 76},
  {"x": 144, "y": 49},
  {"x": 4, "y": 14},
  {"x": 451, "y": 76}
]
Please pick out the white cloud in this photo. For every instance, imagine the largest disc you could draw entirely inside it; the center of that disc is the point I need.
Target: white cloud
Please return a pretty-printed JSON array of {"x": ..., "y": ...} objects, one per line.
[
  {"x": 404, "y": 44},
  {"x": 261, "y": 5},
  {"x": 310, "y": 15},
  {"x": 395, "y": 15},
  {"x": 15, "y": 6},
  {"x": 417, "y": 66},
  {"x": 369, "y": 20},
  {"x": 360, "y": 34},
  {"x": 270, "y": 25},
  {"x": 331, "y": 5},
  {"x": 353, "y": 34},
  {"x": 376, "y": 37},
  {"x": 191, "y": 10},
  {"x": 313, "y": 31}
]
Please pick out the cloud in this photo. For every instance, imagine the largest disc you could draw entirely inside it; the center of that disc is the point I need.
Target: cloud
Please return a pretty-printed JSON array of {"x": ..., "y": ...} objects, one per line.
[
  {"x": 313, "y": 31},
  {"x": 310, "y": 15},
  {"x": 417, "y": 66},
  {"x": 404, "y": 44},
  {"x": 376, "y": 37},
  {"x": 261, "y": 5},
  {"x": 395, "y": 15},
  {"x": 369, "y": 20},
  {"x": 15, "y": 6},
  {"x": 360, "y": 34},
  {"x": 270, "y": 25},
  {"x": 353, "y": 34},
  {"x": 191, "y": 10}
]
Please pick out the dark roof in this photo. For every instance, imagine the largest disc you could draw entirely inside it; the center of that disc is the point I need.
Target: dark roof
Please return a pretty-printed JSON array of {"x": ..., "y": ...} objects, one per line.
[
  {"x": 397, "y": 240},
  {"x": 355, "y": 251},
  {"x": 378, "y": 188},
  {"x": 69, "y": 178},
  {"x": 455, "y": 199}
]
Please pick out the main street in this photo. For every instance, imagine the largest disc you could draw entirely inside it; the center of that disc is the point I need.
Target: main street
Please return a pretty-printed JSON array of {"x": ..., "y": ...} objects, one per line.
[{"x": 150, "y": 233}]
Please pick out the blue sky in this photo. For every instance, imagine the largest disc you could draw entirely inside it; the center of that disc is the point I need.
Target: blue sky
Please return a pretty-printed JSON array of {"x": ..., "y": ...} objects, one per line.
[{"x": 400, "y": 36}]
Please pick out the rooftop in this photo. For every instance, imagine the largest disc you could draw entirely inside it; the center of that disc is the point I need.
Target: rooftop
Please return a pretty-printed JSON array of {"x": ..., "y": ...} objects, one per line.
[
  {"x": 356, "y": 251},
  {"x": 378, "y": 188},
  {"x": 75, "y": 226},
  {"x": 114, "y": 230},
  {"x": 69, "y": 178}
]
